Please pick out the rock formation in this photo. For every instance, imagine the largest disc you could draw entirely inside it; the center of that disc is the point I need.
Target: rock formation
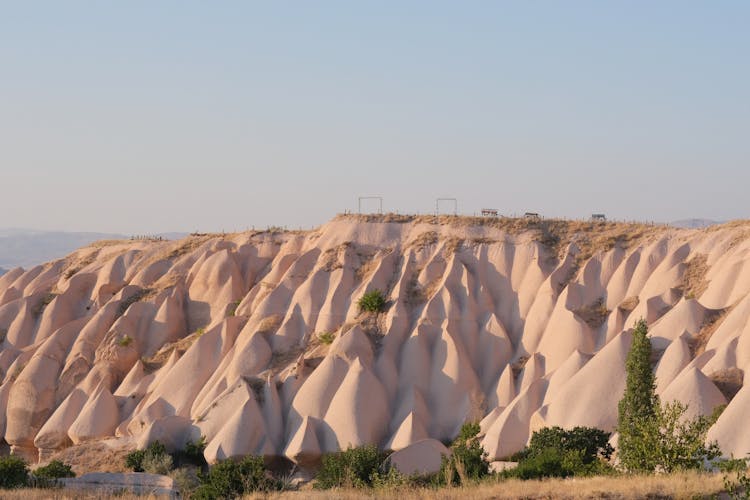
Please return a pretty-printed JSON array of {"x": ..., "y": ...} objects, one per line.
[{"x": 519, "y": 324}]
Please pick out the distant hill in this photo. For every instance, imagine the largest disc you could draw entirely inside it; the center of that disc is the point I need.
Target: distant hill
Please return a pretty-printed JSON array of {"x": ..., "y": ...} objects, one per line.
[
  {"x": 693, "y": 223},
  {"x": 28, "y": 247}
]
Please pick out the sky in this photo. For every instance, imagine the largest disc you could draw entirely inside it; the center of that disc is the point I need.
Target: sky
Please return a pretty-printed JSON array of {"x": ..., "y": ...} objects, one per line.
[{"x": 146, "y": 116}]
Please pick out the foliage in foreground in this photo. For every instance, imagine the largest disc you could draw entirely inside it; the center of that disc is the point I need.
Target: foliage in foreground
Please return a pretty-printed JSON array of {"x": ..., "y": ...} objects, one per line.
[
  {"x": 553, "y": 462},
  {"x": 14, "y": 473},
  {"x": 229, "y": 479},
  {"x": 638, "y": 404},
  {"x": 556, "y": 452},
  {"x": 355, "y": 468},
  {"x": 590, "y": 441},
  {"x": 656, "y": 437},
  {"x": 669, "y": 441},
  {"x": 736, "y": 480},
  {"x": 468, "y": 461},
  {"x": 192, "y": 454},
  {"x": 226, "y": 479},
  {"x": 156, "y": 460},
  {"x": 54, "y": 470},
  {"x": 154, "y": 455}
]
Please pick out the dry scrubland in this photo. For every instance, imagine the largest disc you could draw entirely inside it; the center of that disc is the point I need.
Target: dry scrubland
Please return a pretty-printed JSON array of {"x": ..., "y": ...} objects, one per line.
[
  {"x": 678, "y": 486},
  {"x": 255, "y": 340}
]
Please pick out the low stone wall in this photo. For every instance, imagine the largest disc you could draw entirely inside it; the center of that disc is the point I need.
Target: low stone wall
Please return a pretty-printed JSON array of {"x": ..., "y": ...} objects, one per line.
[{"x": 138, "y": 483}]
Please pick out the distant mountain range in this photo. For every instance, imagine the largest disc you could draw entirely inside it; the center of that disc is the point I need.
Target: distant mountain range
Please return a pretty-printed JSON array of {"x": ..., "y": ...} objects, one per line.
[{"x": 28, "y": 247}]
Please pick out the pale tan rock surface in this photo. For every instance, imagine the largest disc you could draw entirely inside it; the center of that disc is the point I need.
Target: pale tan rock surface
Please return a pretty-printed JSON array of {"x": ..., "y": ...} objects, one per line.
[
  {"x": 422, "y": 457},
  {"x": 513, "y": 323}
]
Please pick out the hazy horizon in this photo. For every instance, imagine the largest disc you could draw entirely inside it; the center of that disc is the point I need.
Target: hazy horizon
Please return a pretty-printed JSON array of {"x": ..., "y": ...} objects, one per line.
[{"x": 146, "y": 117}]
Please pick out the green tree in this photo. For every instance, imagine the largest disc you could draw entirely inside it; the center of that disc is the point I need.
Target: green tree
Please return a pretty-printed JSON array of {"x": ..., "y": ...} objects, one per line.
[
  {"x": 656, "y": 437},
  {"x": 638, "y": 404},
  {"x": 669, "y": 441}
]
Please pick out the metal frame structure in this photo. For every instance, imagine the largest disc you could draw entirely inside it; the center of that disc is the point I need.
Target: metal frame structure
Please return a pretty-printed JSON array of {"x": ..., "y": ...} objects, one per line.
[
  {"x": 360, "y": 198},
  {"x": 437, "y": 205}
]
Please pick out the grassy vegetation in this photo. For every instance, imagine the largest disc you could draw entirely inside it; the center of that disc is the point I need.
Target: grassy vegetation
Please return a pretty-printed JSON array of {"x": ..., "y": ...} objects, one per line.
[
  {"x": 679, "y": 486},
  {"x": 326, "y": 338},
  {"x": 372, "y": 301},
  {"x": 232, "y": 307},
  {"x": 43, "y": 302},
  {"x": 682, "y": 485},
  {"x": 352, "y": 468},
  {"x": 125, "y": 341}
]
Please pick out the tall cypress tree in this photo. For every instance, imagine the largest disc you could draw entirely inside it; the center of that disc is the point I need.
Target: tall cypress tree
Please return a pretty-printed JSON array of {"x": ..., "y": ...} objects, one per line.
[{"x": 638, "y": 404}]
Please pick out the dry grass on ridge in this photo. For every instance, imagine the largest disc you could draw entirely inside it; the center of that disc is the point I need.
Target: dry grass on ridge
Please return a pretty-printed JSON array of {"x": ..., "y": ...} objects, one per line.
[{"x": 590, "y": 236}]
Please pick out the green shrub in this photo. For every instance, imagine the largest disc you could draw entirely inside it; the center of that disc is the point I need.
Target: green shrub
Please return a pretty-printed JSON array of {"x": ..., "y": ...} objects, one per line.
[
  {"x": 732, "y": 464},
  {"x": 160, "y": 463},
  {"x": 229, "y": 479},
  {"x": 391, "y": 478},
  {"x": 186, "y": 480},
  {"x": 372, "y": 301},
  {"x": 549, "y": 462},
  {"x": 125, "y": 341},
  {"x": 556, "y": 452},
  {"x": 205, "y": 492},
  {"x": 14, "y": 473},
  {"x": 354, "y": 467},
  {"x": 736, "y": 480},
  {"x": 590, "y": 441},
  {"x": 326, "y": 338},
  {"x": 136, "y": 460},
  {"x": 193, "y": 453},
  {"x": 47, "y": 476},
  {"x": 54, "y": 470},
  {"x": 672, "y": 442},
  {"x": 468, "y": 460}
]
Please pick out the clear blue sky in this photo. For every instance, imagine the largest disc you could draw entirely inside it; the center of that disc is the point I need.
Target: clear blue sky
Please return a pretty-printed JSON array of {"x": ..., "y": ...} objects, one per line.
[{"x": 146, "y": 116}]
